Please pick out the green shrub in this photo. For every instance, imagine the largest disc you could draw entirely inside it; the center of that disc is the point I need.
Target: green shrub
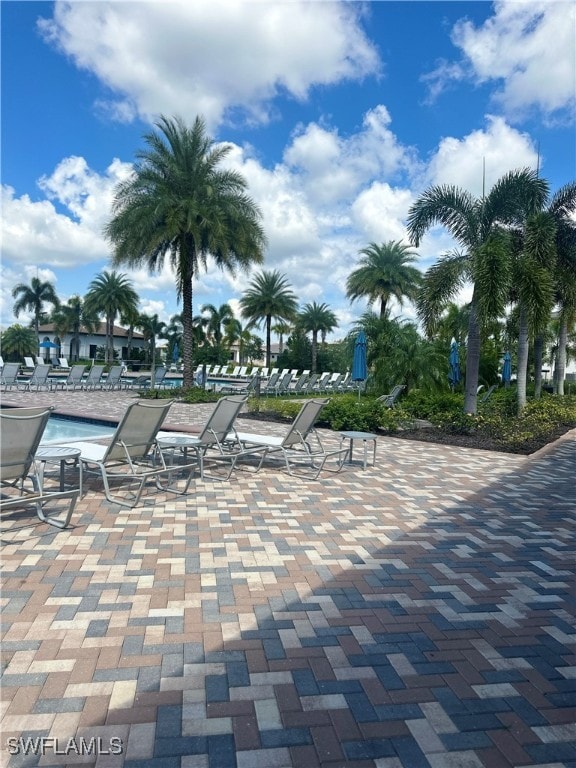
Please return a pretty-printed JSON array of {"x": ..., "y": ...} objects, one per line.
[{"x": 428, "y": 405}]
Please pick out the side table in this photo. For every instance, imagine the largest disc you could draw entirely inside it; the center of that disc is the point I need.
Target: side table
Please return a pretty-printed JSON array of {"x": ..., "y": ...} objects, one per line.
[
  {"x": 58, "y": 454},
  {"x": 365, "y": 437}
]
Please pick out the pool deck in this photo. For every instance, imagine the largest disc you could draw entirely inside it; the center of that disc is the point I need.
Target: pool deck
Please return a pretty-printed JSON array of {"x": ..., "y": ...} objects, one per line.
[{"x": 416, "y": 614}]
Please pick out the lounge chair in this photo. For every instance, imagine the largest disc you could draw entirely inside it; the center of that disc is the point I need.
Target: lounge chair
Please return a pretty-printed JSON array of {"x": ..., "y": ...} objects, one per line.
[
  {"x": 299, "y": 385},
  {"x": 63, "y": 362},
  {"x": 132, "y": 455},
  {"x": 296, "y": 445},
  {"x": 334, "y": 382},
  {"x": 283, "y": 385},
  {"x": 22, "y": 430},
  {"x": 9, "y": 375},
  {"x": 38, "y": 379},
  {"x": 270, "y": 385},
  {"x": 213, "y": 437},
  {"x": 29, "y": 363},
  {"x": 113, "y": 379},
  {"x": 93, "y": 380},
  {"x": 322, "y": 382},
  {"x": 488, "y": 394},
  {"x": 310, "y": 386},
  {"x": 390, "y": 400},
  {"x": 240, "y": 389},
  {"x": 73, "y": 380}
]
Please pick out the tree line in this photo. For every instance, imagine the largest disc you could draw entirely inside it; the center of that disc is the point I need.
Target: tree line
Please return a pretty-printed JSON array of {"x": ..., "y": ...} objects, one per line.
[{"x": 516, "y": 246}]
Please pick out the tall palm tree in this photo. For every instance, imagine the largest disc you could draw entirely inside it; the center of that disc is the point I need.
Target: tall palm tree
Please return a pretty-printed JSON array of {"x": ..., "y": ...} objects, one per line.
[
  {"x": 217, "y": 319},
  {"x": 478, "y": 225},
  {"x": 562, "y": 207},
  {"x": 317, "y": 318},
  {"x": 385, "y": 271},
  {"x": 110, "y": 294},
  {"x": 69, "y": 318},
  {"x": 129, "y": 318},
  {"x": 268, "y": 297},
  {"x": 33, "y": 297},
  {"x": 151, "y": 328},
  {"x": 179, "y": 204}
]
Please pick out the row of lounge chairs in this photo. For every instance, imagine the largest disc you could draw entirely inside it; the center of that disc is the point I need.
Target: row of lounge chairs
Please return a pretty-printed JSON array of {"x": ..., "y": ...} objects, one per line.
[
  {"x": 78, "y": 378},
  {"x": 140, "y": 451}
]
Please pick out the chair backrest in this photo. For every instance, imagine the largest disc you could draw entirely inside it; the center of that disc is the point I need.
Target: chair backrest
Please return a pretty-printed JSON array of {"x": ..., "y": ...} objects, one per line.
[
  {"x": 311, "y": 383},
  {"x": 221, "y": 420},
  {"x": 63, "y": 362},
  {"x": 272, "y": 381},
  {"x": 22, "y": 430},
  {"x": 488, "y": 393},
  {"x": 10, "y": 372},
  {"x": 29, "y": 362},
  {"x": 299, "y": 385},
  {"x": 40, "y": 373},
  {"x": 324, "y": 379},
  {"x": 304, "y": 422},
  {"x": 114, "y": 374},
  {"x": 136, "y": 433},
  {"x": 95, "y": 374},
  {"x": 284, "y": 382},
  {"x": 159, "y": 376},
  {"x": 390, "y": 399},
  {"x": 76, "y": 373}
]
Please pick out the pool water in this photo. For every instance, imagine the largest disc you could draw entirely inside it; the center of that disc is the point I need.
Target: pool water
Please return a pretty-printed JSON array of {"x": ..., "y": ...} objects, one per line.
[{"x": 59, "y": 430}]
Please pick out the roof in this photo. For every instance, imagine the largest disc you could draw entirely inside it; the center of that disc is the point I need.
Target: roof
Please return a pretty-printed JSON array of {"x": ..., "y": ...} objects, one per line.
[{"x": 100, "y": 330}]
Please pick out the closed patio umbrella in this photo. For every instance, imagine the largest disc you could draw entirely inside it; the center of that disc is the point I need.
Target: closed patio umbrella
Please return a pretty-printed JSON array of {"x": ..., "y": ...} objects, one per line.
[
  {"x": 454, "y": 361},
  {"x": 507, "y": 369},
  {"x": 359, "y": 365}
]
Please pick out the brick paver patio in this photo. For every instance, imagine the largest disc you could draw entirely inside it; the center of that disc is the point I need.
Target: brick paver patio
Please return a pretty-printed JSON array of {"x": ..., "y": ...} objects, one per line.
[{"x": 417, "y": 614}]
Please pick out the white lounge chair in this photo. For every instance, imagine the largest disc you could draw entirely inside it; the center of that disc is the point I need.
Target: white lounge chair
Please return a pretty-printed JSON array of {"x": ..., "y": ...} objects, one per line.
[
  {"x": 22, "y": 430},
  {"x": 132, "y": 456},
  {"x": 114, "y": 378},
  {"x": 301, "y": 443},
  {"x": 63, "y": 362},
  {"x": 29, "y": 362}
]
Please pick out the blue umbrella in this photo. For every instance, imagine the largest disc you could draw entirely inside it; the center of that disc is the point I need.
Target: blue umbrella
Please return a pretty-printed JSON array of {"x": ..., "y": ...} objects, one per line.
[
  {"x": 507, "y": 369},
  {"x": 48, "y": 345},
  {"x": 175, "y": 353},
  {"x": 454, "y": 372},
  {"x": 359, "y": 365}
]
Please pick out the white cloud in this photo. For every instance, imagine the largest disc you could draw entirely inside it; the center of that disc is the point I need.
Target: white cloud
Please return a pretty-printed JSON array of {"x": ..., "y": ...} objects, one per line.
[
  {"x": 380, "y": 212},
  {"x": 222, "y": 55},
  {"x": 527, "y": 48},
  {"x": 499, "y": 147}
]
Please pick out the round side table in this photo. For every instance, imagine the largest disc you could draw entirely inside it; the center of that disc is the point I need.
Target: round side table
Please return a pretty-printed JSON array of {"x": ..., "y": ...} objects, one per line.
[
  {"x": 58, "y": 454},
  {"x": 365, "y": 437}
]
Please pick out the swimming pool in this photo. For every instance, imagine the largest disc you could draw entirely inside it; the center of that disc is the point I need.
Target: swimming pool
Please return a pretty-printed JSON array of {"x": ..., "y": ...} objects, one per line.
[{"x": 65, "y": 430}]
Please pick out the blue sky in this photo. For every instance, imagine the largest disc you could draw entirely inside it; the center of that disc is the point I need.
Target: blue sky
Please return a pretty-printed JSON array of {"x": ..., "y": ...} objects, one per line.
[{"x": 338, "y": 114}]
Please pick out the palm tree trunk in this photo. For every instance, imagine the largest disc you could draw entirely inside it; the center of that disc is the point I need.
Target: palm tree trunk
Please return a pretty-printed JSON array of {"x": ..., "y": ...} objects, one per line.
[
  {"x": 472, "y": 360},
  {"x": 522, "y": 358},
  {"x": 268, "y": 340},
  {"x": 314, "y": 350},
  {"x": 561, "y": 356},
  {"x": 538, "y": 357},
  {"x": 153, "y": 361},
  {"x": 187, "y": 332}
]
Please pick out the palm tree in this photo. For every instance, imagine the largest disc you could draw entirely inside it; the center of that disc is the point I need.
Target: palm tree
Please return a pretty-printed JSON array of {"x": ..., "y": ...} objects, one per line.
[
  {"x": 70, "y": 318},
  {"x": 33, "y": 297},
  {"x": 384, "y": 272},
  {"x": 17, "y": 341},
  {"x": 478, "y": 227},
  {"x": 110, "y": 294},
  {"x": 130, "y": 317},
  {"x": 562, "y": 208},
  {"x": 217, "y": 319},
  {"x": 151, "y": 327},
  {"x": 179, "y": 204},
  {"x": 317, "y": 318},
  {"x": 268, "y": 297}
]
